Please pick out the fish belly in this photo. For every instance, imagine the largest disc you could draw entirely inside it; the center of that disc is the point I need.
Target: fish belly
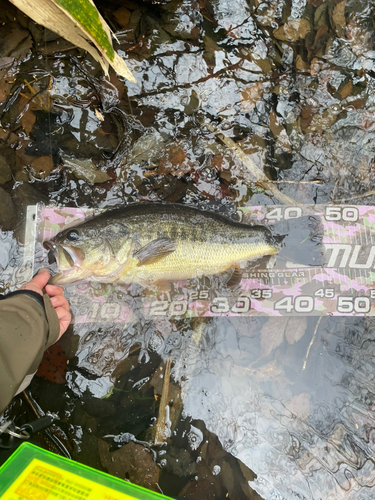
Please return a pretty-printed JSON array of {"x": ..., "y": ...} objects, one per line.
[{"x": 191, "y": 260}]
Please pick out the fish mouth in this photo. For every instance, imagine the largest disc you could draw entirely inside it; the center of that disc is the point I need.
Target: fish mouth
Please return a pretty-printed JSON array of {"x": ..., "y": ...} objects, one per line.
[
  {"x": 68, "y": 259},
  {"x": 57, "y": 253}
]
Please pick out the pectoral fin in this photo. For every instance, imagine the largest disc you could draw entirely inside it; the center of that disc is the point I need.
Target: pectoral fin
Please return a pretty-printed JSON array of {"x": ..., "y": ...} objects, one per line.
[{"x": 155, "y": 250}]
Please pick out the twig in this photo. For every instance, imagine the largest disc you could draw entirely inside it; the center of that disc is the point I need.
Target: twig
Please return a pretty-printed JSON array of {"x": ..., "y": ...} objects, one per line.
[
  {"x": 297, "y": 182},
  {"x": 160, "y": 424},
  {"x": 311, "y": 343},
  {"x": 35, "y": 94},
  {"x": 255, "y": 171},
  {"x": 26, "y": 106},
  {"x": 334, "y": 189},
  {"x": 364, "y": 195}
]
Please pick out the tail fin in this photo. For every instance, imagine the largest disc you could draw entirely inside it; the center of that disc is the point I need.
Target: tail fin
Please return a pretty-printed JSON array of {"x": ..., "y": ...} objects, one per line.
[{"x": 301, "y": 241}]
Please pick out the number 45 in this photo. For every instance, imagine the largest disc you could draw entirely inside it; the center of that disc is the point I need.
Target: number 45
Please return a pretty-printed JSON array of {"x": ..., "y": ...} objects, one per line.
[{"x": 325, "y": 293}]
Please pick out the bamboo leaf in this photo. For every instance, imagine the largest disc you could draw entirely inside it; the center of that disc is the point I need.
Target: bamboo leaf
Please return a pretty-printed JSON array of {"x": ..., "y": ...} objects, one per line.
[{"x": 79, "y": 22}]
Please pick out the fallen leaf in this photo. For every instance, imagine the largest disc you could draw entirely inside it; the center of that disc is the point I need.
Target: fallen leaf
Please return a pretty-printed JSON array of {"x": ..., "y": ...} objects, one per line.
[
  {"x": 42, "y": 166},
  {"x": 132, "y": 462},
  {"x": 266, "y": 13},
  {"x": 250, "y": 96},
  {"x": 5, "y": 85},
  {"x": 295, "y": 329},
  {"x": 272, "y": 335},
  {"x": 5, "y": 62},
  {"x": 122, "y": 16},
  {"x": 323, "y": 121},
  {"x": 301, "y": 65},
  {"x": 174, "y": 160},
  {"x": 146, "y": 149},
  {"x": 299, "y": 405},
  {"x": 16, "y": 43},
  {"x": 28, "y": 118},
  {"x": 264, "y": 373},
  {"x": 293, "y": 30},
  {"x": 275, "y": 126},
  {"x": 86, "y": 170},
  {"x": 306, "y": 116},
  {"x": 53, "y": 365},
  {"x": 338, "y": 18},
  {"x": 346, "y": 90}
]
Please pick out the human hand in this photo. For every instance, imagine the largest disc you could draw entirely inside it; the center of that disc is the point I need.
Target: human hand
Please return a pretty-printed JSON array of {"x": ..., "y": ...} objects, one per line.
[{"x": 56, "y": 294}]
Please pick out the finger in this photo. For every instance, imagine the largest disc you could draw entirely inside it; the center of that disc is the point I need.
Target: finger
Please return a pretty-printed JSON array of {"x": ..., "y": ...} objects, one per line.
[
  {"x": 54, "y": 290},
  {"x": 64, "y": 318},
  {"x": 60, "y": 301},
  {"x": 38, "y": 282}
]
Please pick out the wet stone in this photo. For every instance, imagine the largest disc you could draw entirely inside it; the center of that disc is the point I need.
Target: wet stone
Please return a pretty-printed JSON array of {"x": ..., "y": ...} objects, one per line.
[{"x": 5, "y": 172}]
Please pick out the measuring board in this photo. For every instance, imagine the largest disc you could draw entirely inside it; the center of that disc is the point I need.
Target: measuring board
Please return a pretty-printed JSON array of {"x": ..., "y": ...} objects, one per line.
[{"x": 325, "y": 267}]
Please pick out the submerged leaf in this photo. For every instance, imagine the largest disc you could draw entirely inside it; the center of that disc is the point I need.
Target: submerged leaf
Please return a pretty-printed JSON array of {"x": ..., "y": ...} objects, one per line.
[
  {"x": 272, "y": 335},
  {"x": 299, "y": 405},
  {"x": 295, "y": 329},
  {"x": 86, "y": 170},
  {"x": 53, "y": 365},
  {"x": 293, "y": 30},
  {"x": 338, "y": 18},
  {"x": 250, "y": 96}
]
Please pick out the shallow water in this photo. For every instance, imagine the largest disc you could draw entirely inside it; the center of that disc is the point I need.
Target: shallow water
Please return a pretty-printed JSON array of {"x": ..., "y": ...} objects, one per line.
[{"x": 272, "y": 408}]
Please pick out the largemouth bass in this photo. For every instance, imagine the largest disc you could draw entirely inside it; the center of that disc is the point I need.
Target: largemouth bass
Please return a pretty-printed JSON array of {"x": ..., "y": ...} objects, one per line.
[{"x": 145, "y": 243}]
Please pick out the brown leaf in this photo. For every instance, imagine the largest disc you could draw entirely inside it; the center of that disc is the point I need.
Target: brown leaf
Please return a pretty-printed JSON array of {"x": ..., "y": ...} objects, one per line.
[
  {"x": 250, "y": 96},
  {"x": 301, "y": 65},
  {"x": 299, "y": 405},
  {"x": 5, "y": 62},
  {"x": 275, "y": 126},
  {"x": 42, "y": 166},
  {"x": 272, "y": 335},
  {"x": 174, "y": 161},
  {"x": 322, "y": 121},
  {"x": 28, "y": 118},
  {"x": 320, "y": 32},
  {"x": 306, "y": 116},
  {"x": 86, "y": 170},
  {"x": 53, "y": 365},
  {"x": 346, "y": 90},
  {"x": 282, "y": 139},
  {"x": 5, "y": 85},
  {"x": 295, "y": 329},
  {"x": 16, "y": 43},
  {"x": 133, "y": 462},
  {"x": 122, "y": 16},
  {"x": 293, "y": 30},
  {"x": 338, "y": 17}
]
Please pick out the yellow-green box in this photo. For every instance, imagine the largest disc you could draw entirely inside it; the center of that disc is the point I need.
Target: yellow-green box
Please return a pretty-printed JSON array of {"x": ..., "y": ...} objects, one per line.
[{"x": 35, "y": 474}]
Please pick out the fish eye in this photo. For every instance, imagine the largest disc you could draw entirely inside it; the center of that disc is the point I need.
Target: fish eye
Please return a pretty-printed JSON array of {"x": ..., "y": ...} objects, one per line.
[{"x": 73, "y": 235}]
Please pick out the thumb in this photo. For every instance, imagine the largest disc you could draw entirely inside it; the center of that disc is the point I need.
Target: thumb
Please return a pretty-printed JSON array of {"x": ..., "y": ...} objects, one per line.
[{"x": 39, "y": 281}]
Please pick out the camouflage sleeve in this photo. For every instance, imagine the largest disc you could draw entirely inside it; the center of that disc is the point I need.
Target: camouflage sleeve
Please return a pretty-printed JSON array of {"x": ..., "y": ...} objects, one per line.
[{"x": 28, "y": 326}]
